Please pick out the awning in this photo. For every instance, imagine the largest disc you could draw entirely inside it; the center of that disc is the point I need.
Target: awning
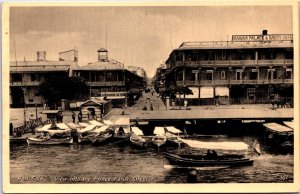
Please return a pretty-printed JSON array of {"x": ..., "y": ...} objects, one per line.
[
  {"x": 277, "y": 128},
  {"x": 108, "y": 122},
  {"x": 73, "y": 125},
  {"x": 137, "y": 131},
  {"x": 159, "y": 131},
  {"x": 173, "y": 129},
  {"x": 115, "y": 97},
  {"x": 57, "y": 128},
  {"x": 94, "y": 122},
  {"x": 86, "y": 129},
  {"x": 222, "y": 91},
  {"x": 206, "y": 92},
  {"x": 101, "y": 129},
  {"x": 216, "y": 145},
  {"x": 290, "y": 124}
]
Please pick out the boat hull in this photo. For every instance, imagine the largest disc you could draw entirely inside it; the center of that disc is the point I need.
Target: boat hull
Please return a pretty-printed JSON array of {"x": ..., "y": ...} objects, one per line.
[
  {"x": 159, "y": 141},
  {"x": 38, "y": 141},
  {"x": 101, "y": 139},
  {"x": 188, "y": 162},
  {"x": 138, "y": 142}
]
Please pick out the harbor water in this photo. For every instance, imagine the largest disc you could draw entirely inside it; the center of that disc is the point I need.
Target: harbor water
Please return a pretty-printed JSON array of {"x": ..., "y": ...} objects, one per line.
[{"x": 124, "y": 164}]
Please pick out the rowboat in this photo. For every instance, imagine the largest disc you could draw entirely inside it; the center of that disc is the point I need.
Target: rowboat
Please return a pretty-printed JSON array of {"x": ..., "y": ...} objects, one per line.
[
  {"x": 136, "y": 138},
  {"x": 103, "y": 134},
  {"x": 51, "y": 134},
  {"x": 48, "y": 141},
  {"x": 201, "y": 161},
  {"x": 86, "y": 134},
  {"x": 122, "y": 130},
  {"x": 172, "y": 136},
  {"x": 160, "y": 138}
]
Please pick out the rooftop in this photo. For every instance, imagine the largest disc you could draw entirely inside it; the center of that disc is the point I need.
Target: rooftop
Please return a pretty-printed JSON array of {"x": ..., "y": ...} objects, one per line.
[
  {"x": 234, "y": 45},
  {"x": 40, "y": 66},
  {"x": 110, "y": 64}
]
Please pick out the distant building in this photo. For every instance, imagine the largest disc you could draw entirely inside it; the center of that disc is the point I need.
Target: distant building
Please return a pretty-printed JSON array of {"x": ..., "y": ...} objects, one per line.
[
  {"x": 26, "y": 76},
  {"x": 247, "y": 69},
  {"x": 108, "y": 78}
]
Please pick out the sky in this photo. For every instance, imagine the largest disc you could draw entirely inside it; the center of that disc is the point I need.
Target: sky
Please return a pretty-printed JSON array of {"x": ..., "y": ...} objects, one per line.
[{"x": 140, "y": 36}]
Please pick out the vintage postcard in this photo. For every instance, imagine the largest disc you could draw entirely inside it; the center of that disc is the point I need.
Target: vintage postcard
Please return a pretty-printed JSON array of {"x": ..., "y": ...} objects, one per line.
[{"x": 150, "y": 97}]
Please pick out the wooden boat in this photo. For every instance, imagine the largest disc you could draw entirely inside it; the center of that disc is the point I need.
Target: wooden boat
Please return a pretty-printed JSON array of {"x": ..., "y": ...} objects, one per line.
[
  {"x": 201, "y": 161},
  {"x": 49, "y": 141},
  {"x": 172, "y": 135},
  {"x": 86, "y": 134},
  {"x": 51, "y": 134},
  {"x": 122, "y": 130},
  {"x": 279, "y": 138},
  {"x": 103, "y": 135},
  {"x": 136, "y": 138},
  {"x": 173, "y": 140},
  {"x": 160, "y": 138}
]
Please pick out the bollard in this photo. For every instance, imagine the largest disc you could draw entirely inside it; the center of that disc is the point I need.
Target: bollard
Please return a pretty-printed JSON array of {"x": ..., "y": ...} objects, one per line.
[{"x": 167, "y": 103}]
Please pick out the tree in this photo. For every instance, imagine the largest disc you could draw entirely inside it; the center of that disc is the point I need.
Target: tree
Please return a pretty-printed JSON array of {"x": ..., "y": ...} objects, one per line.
[{"x": 56, "y": 88}]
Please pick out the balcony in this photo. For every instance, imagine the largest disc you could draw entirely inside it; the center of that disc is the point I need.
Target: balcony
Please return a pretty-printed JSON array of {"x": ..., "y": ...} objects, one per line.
[
  {"x": 27, "y": 83},
  {"x": 236, "y": 63},
  {"x": 107, "y": 83},
  {"x": 233, "y": 82}
]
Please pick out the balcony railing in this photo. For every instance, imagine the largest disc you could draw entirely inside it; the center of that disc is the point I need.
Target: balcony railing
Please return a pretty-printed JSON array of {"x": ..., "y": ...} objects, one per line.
[
  {"x": 107, "y": 83},
  {"x": 27, "y": 83},
  {"x": 235, "y": 63},
  {"x": 233, "y": 82}
]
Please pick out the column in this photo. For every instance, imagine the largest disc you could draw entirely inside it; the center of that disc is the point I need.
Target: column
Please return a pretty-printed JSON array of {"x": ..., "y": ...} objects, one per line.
[{"x": 167, "y": 102}]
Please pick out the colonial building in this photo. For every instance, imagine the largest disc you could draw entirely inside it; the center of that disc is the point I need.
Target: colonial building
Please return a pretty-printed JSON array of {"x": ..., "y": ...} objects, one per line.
[
  {"x": 110, "y": 79},
  {"x": 247, "y": 69},
  {"x": 26, "y": 76}
]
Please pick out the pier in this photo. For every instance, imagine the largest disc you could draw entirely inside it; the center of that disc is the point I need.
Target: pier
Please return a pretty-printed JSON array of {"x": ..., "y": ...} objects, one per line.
[{"x": 222, "y": 112}]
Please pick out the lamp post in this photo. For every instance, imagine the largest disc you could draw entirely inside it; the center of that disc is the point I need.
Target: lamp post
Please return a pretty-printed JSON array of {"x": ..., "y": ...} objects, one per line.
[{"x": 24, "y": 92}]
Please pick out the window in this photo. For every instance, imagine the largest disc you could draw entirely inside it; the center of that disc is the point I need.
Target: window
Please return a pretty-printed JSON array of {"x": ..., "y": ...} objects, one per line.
[
  {"x": 16, "y": 77},
  {"x": 223, "y": 75},
  {"x": 30, "y": 100},
  {"x": 223, "y": 55},
  {"x": 36, "y": 94},
  {"x": 289, "y": 74},
  {"x": 239, "y": 74},
  {"x": 254, "y": 74},
  {"x": 209, "y": 75},
  {"x": 35, "y": 77},
  {"x": 272, "y": 74},
  {"x": 251, "y": 93}
]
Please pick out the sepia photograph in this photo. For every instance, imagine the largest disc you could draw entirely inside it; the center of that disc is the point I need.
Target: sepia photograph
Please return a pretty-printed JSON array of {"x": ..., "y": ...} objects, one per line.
[{"x": 126, "y": 97}]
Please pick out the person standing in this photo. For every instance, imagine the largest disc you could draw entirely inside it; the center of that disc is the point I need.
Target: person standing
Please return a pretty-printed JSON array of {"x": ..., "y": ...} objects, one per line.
[
  {"x": 11, "y": 129},
  {"x": 73, "y": 117},
  {"x": 79, "y": 117}
]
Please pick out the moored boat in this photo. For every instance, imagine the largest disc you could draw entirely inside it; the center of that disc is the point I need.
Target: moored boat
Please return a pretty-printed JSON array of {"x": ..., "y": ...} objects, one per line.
[
  {"x": 279, "y": 138},
  {"x": 122, "y": 130},
  {"x": 103, "y": 135},
  {"x": 172, "y": 136},
  {"x": 86, "y": 134},
  {"x": 160, "y": 138},
  {"x": 136, "y": 138},
  {"x": 51, "y": 134}
]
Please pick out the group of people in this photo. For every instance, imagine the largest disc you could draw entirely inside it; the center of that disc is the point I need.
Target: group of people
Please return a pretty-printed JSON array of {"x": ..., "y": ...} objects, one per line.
[{"x": 79, "y": 116}]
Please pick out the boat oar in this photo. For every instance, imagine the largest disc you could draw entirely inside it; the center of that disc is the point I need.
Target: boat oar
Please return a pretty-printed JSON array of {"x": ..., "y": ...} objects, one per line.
[{"x": 120, "y": 141}]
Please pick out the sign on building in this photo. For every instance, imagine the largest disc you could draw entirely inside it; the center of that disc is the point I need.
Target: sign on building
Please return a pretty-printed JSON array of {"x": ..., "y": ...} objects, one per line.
[{"x": 270, "y": 37}]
